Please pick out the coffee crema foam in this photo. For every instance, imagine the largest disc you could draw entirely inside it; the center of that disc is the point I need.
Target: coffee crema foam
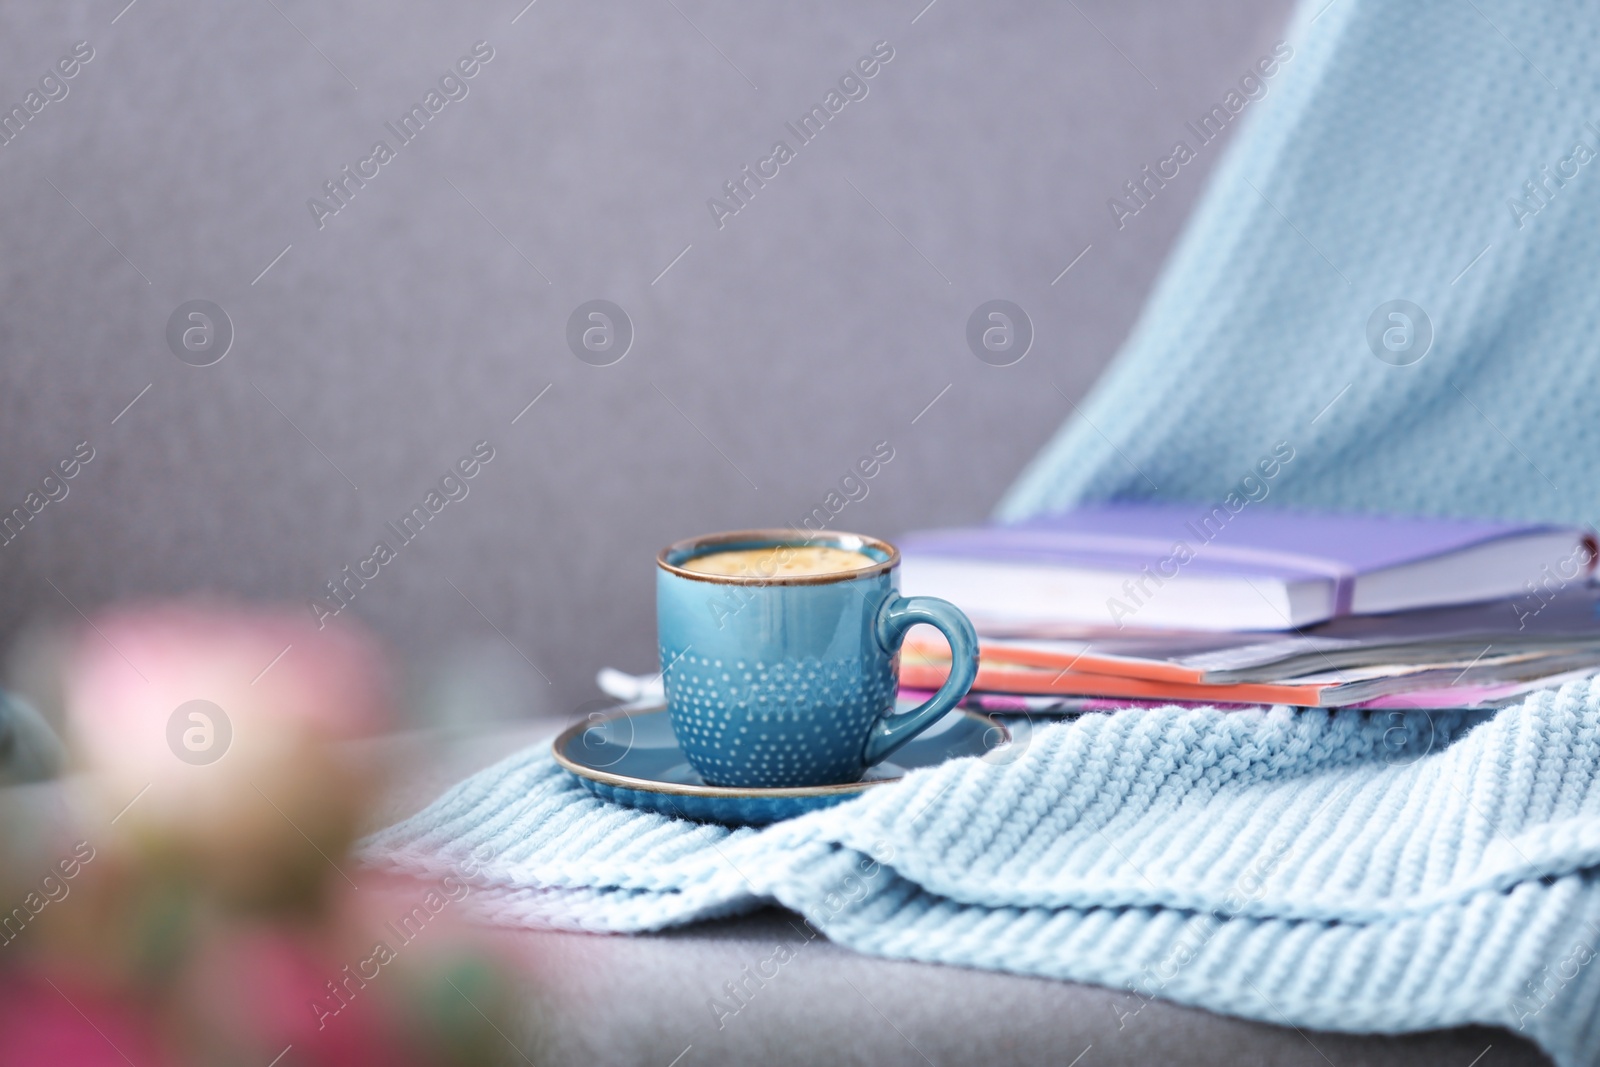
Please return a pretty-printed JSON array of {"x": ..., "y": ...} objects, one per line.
[{"x": 779, "y": 561}]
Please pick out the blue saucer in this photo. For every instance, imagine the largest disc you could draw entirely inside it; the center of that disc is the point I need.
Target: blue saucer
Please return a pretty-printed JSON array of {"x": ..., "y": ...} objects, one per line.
[{"x": 634, "y": 759}]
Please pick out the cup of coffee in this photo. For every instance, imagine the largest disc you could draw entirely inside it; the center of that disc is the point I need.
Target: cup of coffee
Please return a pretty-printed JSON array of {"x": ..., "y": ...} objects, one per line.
[{"x": 780, "y": 655}]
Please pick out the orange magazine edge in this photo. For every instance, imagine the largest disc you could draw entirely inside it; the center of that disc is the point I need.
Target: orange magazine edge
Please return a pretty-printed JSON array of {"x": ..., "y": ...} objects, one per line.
[
  {"x": 1031, "y": 680},
  {"x": 1119, "y": 666}
]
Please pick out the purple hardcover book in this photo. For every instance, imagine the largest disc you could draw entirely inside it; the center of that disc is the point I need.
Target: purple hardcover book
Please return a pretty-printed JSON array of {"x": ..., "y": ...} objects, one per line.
[{"x": 1194, "y": 566}]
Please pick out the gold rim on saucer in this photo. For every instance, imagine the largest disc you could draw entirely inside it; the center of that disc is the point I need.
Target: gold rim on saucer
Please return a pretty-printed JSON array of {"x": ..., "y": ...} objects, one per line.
[{"x": 650, "y": 785}]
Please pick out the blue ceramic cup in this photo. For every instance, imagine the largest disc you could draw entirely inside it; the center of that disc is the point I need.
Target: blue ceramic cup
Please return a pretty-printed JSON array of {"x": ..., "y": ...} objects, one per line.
[{"x": 786, "y": 681}]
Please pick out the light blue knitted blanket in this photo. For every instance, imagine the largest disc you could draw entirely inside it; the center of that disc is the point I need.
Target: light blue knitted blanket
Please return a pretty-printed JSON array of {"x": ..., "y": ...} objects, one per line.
[
  {"x": 1343, "y": 871},
  {"x": 1444, "y": 152},
  {"x": 1335, "y": 871}
]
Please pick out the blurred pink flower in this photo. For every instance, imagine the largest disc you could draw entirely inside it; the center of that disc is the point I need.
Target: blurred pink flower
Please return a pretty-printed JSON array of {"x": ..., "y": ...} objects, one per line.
[
  {"x": 261, "y": 990},
  {"x": 214, "y": 725},
  {"x": 51, "y": 1021}
]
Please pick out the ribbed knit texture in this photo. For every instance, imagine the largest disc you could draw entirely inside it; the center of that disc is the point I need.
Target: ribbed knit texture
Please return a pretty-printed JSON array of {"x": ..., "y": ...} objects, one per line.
[
  {"x": 1343, "y": 871},
  {"x": 1378, "y": 167},
  {"x": 1340, "y": 871}
]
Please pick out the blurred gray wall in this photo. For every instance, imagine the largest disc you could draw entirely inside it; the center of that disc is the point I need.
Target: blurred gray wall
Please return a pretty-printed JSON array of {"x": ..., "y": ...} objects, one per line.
[{"x": 372, "y": 348}]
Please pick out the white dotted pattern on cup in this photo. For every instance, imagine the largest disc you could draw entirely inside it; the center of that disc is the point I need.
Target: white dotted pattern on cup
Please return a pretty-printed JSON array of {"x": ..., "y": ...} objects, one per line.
[{"x": 754, "y": 723}]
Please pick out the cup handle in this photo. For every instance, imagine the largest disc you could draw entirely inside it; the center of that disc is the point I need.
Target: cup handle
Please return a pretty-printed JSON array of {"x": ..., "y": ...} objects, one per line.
[{"x": 895, "y": 618}]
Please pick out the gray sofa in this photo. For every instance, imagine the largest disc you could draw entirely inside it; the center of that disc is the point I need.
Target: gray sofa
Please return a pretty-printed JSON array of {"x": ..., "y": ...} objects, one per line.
[{"x": 369, "y": 318}]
